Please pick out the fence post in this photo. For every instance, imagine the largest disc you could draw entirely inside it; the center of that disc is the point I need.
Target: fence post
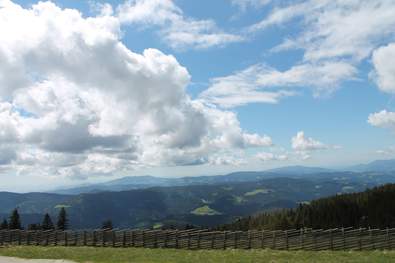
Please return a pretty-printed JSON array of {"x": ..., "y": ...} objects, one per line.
[
  {"x": 274, "y": 239},
  {"x": 236, "y": 236},
  {"x": 27, "y": 238},
  {"x": 1, "y": 237},
  {"x": 189, "y": 240},
  {"x": 66, "y": 241},
  {"x": 94, "y": 238},
  {"x": 344, "y": 239},
  {"x": 212, "y": 240},
  {"x": 156, "y": 239},
  {"x": 262, "y": 238},
  {"x": 249, "y": 239},
  {"x": 388, "y": 238},
  {"x": 198, "y": 242},
  {"x": 166, "y": 237},
  {"x": 104, "y": 238},
  {"x": 143, "y": 237},
  {"x": 114, "y": 237},
  {"x": 331, "y": 237},
  {"x": 225, "y": 234},
  {"x": 124, "y": 238},
  {"x": 84, "y": 238},
  {"x": 47, "y": 238},
  {"x": 37, "y": 237},
  {"x": 360, "y": 239},
  {"x": 176, "y": 238},
  {"x": 286, "y": 240},
  {"x": 19, "y": 237},
  {"x": 314, "y": 241},
  {"x": 132, "y": 237}
]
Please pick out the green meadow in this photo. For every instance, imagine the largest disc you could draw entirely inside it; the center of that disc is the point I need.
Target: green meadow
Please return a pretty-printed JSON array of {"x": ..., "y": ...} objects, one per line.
[{"x": 119, "y": 255}]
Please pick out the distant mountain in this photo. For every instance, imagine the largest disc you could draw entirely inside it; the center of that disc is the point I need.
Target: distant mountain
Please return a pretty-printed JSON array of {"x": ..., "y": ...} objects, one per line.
[
  {"x": 362, "y": 173},
  {"x": 141, "y": 182},
  {"x": 204, "y": 205},
  {"x": 300, "y": 170},
  {"x": 375, "y": 166},
  {"x": 122, "y": 184}
]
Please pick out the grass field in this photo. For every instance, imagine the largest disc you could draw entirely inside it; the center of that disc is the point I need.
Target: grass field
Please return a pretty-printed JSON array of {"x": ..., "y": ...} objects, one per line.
[{"x": 118, "y": 255}]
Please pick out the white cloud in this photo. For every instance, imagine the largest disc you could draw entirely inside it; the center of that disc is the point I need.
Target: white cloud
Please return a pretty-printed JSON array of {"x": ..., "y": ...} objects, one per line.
[
  {"x": 304, "y": 144},
  {"x": 335, "y": 37},
  {"x": 382, "y": 119},
  {"x": 75, "y": 101},
  {"x": 387, "y": 151},
  {"x": 336, "y": 29},
  {"x": 383, "y": 58},
  {"x": 177, "y": 30},
  {"x": 245, "y": 4},
  {"x": 262, "y": 84},
  {"x": 268, "y": 156}
]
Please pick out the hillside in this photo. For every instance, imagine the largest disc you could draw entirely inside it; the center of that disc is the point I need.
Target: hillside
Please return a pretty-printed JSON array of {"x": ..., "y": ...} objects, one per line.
[
  {"x": 371, "y": 208},
  {"x": 371, "y": 177},
  {"x": 376, "y": 166},
  {"x": 203, "y": 205}
]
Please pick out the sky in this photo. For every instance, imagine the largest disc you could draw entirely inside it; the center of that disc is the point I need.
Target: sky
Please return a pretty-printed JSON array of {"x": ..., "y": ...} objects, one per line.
[{"x": 95, "y": 90}]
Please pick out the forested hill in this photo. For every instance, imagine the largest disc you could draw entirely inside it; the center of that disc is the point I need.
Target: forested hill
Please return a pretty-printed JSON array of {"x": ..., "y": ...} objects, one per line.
[{"x": 374, "y": 208}]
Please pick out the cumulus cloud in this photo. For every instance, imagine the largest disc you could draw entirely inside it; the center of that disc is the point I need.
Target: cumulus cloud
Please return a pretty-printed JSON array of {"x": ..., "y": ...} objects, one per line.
[
  {"x": 304, "y": 146},
  {"x": 383, "y": 119},
  {"x": 302, "y": 143},
  {"x": 177, "y": 30},
  {"x": 75, "y": 101},
  {"x": 383, "y": 58}
]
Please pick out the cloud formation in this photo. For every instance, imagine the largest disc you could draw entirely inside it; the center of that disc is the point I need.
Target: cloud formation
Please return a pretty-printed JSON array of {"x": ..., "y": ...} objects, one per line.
[
  {"x": 383, "y": 119},
  {"x": 245, "y": 4},
  {"x": 177, "y": 30},
  {"x": 335, "y": 37},
  {"x": 268, "y": 156},
  {"x": 302, "y": 143},
  {"x": 263, "y": 84},
  {"x": 384, "y": 67},
  {"x": 75, "y": 101}
]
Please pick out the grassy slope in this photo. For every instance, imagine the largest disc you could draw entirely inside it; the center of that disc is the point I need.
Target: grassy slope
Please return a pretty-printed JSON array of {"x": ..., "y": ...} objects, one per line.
[{"x": 118, "y": 255}]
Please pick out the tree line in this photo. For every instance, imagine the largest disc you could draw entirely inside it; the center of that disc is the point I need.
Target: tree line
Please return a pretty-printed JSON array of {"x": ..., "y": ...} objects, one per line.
[
  {"x": 14, "y": 222},
  {"x": 372, "y": 208}
]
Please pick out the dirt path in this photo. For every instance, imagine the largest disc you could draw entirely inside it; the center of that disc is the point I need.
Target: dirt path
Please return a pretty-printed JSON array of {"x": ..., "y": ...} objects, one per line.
[{"x": 20, "y": 260}]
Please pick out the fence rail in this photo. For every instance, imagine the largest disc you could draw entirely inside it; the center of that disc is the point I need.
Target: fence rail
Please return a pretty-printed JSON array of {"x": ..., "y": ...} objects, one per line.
[{"x": 304, "y": 239}]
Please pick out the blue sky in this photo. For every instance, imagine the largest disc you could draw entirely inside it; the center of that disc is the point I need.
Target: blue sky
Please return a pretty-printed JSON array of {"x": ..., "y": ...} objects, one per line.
[{"x": 249, "y": 84}]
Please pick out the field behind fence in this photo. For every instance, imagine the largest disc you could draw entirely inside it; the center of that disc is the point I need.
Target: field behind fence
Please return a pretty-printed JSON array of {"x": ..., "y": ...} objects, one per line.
[{"x": 304, "y": 239}]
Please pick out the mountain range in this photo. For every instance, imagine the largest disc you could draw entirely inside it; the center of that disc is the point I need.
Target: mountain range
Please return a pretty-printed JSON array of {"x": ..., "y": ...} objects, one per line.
[
  {"x": 151, "y": 202},
  {"x": 140, "y": 182}
]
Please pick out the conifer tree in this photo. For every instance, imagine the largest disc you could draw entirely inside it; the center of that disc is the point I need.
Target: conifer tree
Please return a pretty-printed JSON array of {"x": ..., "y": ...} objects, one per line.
[
  {"x": 47, "y": 223},
  {"x": 15, "y": 221},
  {"x": 4, "y": 225},
  {"x": 63, "y": 222}
]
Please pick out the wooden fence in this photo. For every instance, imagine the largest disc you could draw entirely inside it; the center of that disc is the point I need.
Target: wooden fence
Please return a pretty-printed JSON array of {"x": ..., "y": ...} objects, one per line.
[{"x": 304, "y": 239}]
